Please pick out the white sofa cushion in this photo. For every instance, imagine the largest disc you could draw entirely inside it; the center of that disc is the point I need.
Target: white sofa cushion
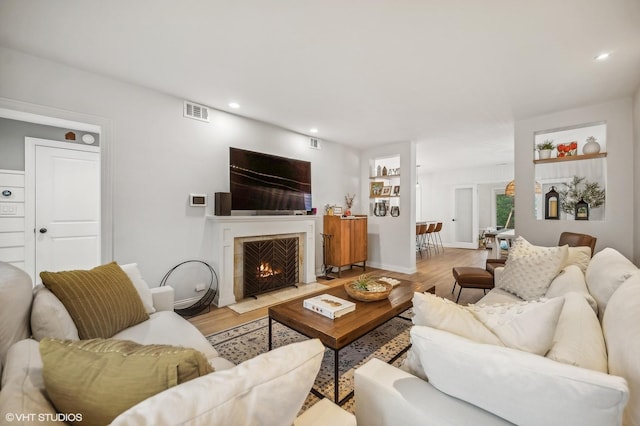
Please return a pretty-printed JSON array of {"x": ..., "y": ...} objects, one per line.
[
  {"x": 571, "y": 279},
  {"x": 578, "y": 338},
  {"x": 49, "y": 317},
  {"x": 606, "y": 272},
  {"x": 132, "y": 271},
  {"x": 523, "y": 388},
  {"x": 621, "y": 327},
  {"x": 530, "y": 269},
  {"x": 23, "y": 387},
  {"x": 267, "y": 389},
  {"x": 15, "y": 294},
  {"x": 168, "y": 328},
  {"x": 498, "y": 295}
]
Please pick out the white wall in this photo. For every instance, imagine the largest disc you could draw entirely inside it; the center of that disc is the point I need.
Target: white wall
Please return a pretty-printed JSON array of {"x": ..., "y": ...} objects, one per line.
[
  {"x": 617, "y": 229},
  {"x": 157, "y": 158},
  {"x": 437, "y": 193},
  {"x": 636, "y": 161},
  {"x": 392, "y": 239}
]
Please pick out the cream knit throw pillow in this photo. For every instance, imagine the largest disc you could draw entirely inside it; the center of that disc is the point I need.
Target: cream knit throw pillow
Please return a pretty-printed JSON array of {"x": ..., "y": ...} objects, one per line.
[{"x": 530, "y": 269}]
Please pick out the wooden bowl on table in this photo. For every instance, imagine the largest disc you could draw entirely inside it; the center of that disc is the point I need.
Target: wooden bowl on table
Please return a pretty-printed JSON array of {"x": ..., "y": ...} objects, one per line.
[{"x": 377, "y": 290}]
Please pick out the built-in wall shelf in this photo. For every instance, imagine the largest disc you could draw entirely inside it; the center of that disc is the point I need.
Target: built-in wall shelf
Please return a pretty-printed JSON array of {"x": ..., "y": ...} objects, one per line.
[
  {"x": 571, "y": 158},
  {"x": 384, "y": 177}
]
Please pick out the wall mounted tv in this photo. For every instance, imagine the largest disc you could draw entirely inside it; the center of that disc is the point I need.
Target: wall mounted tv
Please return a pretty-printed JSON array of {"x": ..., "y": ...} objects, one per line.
[{"x": 268, "y": 183}]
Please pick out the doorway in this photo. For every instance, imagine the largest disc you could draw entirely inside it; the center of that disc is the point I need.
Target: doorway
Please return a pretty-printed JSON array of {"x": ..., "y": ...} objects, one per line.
[
  {"x": 65, "y": 119},
  {"x": 62, "y": 206},
  {"x": 465, "y": 221}
]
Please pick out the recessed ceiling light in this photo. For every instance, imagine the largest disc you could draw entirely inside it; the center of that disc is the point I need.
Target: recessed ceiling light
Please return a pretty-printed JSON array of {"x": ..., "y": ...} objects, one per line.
[
  {"x": 602, "y": 57},
  {"x": 234, "y": 105},
  {"x": 313, "y": 130}
]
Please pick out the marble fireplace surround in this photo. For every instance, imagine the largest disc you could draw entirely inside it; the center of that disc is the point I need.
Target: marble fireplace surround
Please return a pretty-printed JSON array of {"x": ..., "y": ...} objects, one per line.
[{"x": 226, "y": 229}]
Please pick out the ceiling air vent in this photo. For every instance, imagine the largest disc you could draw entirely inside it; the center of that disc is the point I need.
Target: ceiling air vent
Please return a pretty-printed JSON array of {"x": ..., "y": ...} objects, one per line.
[
  {"x": 195, "y": 111},
  {"x": 314, "y": 143}
]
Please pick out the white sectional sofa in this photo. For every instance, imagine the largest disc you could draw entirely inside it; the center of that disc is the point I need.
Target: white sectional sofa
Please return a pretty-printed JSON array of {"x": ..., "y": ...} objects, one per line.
[
  {"x": 481, "y": 384},
  {"x": 268, "y": 389}
]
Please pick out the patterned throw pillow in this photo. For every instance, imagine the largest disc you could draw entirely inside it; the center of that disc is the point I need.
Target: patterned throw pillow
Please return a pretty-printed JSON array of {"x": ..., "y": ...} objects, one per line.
[
  {"x": 102, "y": 378},
  {"x": 526, "y": 326},
  {"x": 530, "y": 269},
  {"x": 101, "y": 301}
]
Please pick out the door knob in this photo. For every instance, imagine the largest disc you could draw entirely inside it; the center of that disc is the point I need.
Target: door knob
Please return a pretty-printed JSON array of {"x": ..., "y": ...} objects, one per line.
[{"x": 43, "y": 230}]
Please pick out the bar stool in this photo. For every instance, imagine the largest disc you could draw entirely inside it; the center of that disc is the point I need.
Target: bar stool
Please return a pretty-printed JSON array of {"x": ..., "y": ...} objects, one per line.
[
  {"x": 421, "y": 229},
  {"x": 437, "y": 233},
  {"x": 429, "y": 238}
]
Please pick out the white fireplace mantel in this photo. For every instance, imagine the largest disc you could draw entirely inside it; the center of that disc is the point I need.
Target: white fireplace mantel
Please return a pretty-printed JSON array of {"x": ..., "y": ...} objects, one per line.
[{"x": 227, "y": 228}]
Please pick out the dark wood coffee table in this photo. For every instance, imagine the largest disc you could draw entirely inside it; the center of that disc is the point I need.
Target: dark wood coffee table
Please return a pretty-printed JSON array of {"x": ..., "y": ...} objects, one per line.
[{"x": 338, "y": 333}]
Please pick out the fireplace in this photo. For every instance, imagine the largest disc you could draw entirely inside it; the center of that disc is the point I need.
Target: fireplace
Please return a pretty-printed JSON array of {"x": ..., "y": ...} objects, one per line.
[
  {"x": 226, "y": 234},
  {"x": 269, "y": 265}
]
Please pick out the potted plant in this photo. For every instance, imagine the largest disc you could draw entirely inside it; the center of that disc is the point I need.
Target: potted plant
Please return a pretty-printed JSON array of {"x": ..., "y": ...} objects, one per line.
[{"x": 545, "y": 148}]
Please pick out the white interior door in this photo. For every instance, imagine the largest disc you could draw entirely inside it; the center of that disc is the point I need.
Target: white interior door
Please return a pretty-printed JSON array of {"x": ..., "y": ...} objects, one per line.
[
  {"x": 465, "y": 219},
  {"x": 65, "y": 196}
]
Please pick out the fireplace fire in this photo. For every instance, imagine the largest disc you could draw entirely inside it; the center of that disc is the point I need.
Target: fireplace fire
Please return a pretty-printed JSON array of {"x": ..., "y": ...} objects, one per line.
[
  {"x": 265, "y": 270},
  {"x": 274, "y": 264}
]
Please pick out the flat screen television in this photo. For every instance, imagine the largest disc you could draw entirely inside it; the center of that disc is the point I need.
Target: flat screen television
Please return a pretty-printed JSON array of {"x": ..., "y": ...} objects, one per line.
[{"x": 264, "y": 182}]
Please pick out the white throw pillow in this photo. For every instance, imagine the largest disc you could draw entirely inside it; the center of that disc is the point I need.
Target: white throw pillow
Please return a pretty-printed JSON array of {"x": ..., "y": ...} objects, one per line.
[
  {"x": 132, "y": 271},
  {"x": 578, "y": 339},
  {"x": 527, "y": 326},
  {"x": 530, "y": 269},
  {"x": 49, "y": 317},
  {"x": 606, "y": 272},
  {"x": 579, "y": 256},
  {"x": 267, "y": 389},
  {"x": 520, "y": 387},
  {"x": 437, "y": 312}
]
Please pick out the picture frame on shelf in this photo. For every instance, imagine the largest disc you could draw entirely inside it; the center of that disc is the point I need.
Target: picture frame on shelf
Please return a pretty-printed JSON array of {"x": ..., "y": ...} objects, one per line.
[
  {"x": 396, "y": 190},
  {"x": 337, "y": 210},
  {"x": 386, "y": 191},
  {"x": 375, "y": 189}
]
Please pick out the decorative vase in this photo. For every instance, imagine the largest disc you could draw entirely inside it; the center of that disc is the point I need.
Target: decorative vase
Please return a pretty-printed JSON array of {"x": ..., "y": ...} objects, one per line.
[
  {"x": 543, "y": 154},
  {"x": 591, "y": 147}
]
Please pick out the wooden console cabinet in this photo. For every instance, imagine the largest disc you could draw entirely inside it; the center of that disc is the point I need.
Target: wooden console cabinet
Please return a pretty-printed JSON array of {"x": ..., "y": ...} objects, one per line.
[{"x": 348, "y": 242}]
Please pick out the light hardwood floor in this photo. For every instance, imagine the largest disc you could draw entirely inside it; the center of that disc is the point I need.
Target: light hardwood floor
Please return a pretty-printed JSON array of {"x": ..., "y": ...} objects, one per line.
[{"x": 434, "y": 269}]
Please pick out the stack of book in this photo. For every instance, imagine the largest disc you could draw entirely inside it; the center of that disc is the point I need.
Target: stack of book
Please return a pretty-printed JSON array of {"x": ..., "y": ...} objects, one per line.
[{"x": 329, "y": 306}]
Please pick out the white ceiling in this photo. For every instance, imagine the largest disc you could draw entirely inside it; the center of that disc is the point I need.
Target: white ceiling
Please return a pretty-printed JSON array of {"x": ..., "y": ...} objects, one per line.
[{"x": 451, "y": 75}]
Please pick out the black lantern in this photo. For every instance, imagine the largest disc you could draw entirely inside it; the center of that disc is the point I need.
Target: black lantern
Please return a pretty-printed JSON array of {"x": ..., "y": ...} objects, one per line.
[
  {"x": 552, "y": 204},
  {"x": 582, "y": 210}
]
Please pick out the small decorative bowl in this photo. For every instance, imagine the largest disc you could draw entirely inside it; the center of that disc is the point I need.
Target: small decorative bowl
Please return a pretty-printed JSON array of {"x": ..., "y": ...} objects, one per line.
[{"x": 368, "y": 296}]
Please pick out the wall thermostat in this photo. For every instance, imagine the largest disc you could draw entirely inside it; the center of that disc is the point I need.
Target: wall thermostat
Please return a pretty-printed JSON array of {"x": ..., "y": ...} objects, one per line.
[{"x": 198, "y": 200}]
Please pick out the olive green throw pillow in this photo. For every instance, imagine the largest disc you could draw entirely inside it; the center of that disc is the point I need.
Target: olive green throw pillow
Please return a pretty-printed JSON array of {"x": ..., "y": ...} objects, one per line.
[
  {"x": 101, "y": 378},
  {"x": 101, "y": 301}
]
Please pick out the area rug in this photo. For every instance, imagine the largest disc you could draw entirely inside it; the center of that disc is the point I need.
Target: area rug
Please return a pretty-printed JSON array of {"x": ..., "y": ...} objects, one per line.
[
  {"x": 248, "y": 340},
  {"x": 278, "y": 296}
]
